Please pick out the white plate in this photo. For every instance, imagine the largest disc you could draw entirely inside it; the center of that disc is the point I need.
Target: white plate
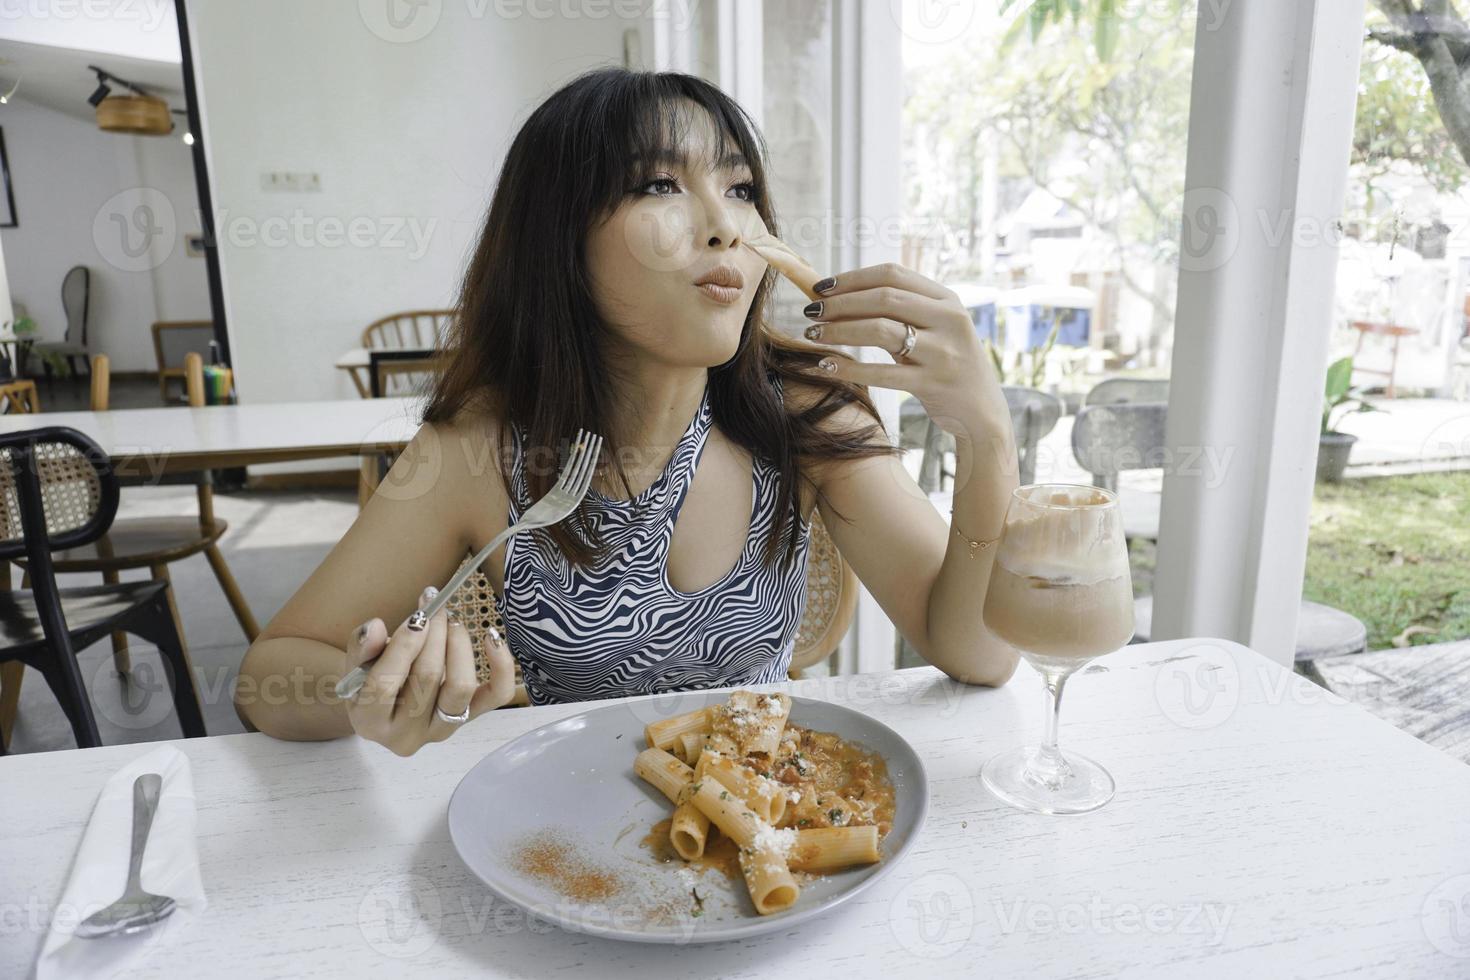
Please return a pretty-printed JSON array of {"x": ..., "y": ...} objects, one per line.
[{"x": 573, "y": 780}]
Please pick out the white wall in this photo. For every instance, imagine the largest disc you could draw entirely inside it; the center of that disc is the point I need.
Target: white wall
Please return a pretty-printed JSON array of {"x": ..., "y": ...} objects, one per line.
[
  {"x": 130, "y": 28},
  {"x": 77, "y": 191},
  {"x": 407, "y": 135}
]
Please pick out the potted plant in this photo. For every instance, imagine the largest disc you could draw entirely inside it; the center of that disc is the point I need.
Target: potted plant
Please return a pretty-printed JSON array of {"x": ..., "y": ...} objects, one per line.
[{"x": 1338, "y": 401}]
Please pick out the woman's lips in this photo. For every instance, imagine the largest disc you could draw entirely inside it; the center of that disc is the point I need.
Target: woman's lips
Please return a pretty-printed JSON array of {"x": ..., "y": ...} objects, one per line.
[{"x": 720, "y": 294}]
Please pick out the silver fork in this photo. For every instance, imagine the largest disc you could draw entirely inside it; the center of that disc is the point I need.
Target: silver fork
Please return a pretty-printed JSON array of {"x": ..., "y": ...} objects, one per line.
[{"x": 571, "y": 486}]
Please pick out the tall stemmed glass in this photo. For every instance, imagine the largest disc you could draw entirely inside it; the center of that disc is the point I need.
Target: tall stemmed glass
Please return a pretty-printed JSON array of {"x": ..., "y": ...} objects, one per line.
[{"x": 1062, "y": 595}]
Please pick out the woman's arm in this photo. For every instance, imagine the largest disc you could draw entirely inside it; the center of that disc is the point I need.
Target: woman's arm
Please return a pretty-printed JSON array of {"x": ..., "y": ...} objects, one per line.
[
  {"x": 414, "y": 532},
  {"x": 919, "y": 571}
]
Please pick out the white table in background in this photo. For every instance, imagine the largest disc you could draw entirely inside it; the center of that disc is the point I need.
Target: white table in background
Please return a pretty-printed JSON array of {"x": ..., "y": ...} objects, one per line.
[
  {"x": 1262, "y": 828},
  {"x": 172, "y": 439}
]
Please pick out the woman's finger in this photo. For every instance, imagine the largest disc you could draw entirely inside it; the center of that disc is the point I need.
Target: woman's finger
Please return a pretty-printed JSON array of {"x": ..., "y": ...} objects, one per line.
[
  {"x": 902, "y": 377},
  {"x": 501, "y": 688},
  {"x": 924, "y": 312},
  {"x": 459, "y": 680},
  {"x": 886, "y": 274},
  {"x": 387, "y": 676},
  {"x": 872, "y": 332},
  {"x": 416, "y": 701}
]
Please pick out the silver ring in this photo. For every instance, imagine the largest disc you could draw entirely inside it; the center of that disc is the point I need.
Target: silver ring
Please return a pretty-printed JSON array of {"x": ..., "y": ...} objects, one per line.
[
  {"x": 910, "y": 337},
  {"x": 458, "y": 719}
]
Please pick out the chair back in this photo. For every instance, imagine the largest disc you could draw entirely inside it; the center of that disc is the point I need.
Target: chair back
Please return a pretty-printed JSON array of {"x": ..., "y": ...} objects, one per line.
[
  {"x": 1108, "y": 439},
  {"x": 1128, "y": 391},
  {"x": 831, "y": 600},
  {"x": 76, "y": 302},
  {"x": 421, "y": 329},
  {"x": 1034, "y": 413},
  {"x": 57, "y": 490}
]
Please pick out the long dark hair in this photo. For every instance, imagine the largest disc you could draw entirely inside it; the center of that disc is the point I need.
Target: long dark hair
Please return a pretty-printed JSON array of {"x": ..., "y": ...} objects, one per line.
[{"x": 526, "y": 344}]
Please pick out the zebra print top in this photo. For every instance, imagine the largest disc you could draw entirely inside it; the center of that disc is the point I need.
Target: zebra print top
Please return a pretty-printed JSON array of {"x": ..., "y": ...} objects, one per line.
[{"x": 618, "y": 627}]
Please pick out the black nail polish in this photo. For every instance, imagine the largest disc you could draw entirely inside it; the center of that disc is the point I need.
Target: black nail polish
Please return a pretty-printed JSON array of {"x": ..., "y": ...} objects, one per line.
[
  {"x": 824, "y": 285},
  {"x": 813, "y": 310}
]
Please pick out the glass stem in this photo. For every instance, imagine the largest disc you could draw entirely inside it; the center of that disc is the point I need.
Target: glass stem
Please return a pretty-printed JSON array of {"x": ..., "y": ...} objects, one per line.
[{"x": 1049, "y": 767}]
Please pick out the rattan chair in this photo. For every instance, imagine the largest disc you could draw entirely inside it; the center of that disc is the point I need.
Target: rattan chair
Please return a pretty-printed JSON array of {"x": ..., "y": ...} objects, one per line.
[
  {"x": 156, "y": 542},
  {"x": 58, "y": 491},
  {"x": 831, "y": 601}
]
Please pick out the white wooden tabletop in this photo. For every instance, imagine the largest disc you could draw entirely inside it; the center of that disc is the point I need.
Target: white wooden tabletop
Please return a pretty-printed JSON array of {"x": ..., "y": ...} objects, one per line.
[
  {"x": 239, "y": 434},
  {"x": 1262, "y": 828}
]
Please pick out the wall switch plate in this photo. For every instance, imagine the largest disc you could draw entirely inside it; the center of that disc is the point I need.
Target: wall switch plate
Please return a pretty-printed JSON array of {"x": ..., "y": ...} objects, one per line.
[{"x": 287, "y": 181}]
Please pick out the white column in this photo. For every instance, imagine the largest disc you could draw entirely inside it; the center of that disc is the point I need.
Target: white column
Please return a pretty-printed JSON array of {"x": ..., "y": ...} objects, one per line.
[
  {"x": 1271, "y": 120},
  {"x": 867, "y": 195}
]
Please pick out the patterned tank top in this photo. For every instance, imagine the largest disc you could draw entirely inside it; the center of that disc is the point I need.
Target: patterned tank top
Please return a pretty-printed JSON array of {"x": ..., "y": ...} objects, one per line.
[{"x": 618, "y": 627}]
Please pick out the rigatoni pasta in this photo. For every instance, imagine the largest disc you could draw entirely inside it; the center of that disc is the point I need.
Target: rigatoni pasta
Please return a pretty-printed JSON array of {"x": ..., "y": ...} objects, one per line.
[{"x": 778, "y": 799}]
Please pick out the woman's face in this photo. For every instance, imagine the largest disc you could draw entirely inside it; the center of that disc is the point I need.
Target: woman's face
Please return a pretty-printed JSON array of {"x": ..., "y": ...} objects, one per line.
[{"x": 645, "y": 259}]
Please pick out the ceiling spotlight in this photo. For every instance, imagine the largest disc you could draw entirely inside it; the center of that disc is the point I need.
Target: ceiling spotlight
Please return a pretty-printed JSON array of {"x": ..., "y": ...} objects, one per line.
[
  {"x": 103, "y": 91},
  {"x": 188, "y": 138},
  {"x": 5, "y": 96}
]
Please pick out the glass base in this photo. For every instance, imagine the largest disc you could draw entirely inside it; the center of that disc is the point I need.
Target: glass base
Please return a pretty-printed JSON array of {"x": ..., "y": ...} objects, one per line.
[{"x": 1029, "y": 779}]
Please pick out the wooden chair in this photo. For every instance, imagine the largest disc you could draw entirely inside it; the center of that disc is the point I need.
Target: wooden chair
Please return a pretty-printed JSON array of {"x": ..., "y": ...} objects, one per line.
[
  {"x": 422, "y": 329},
  {"x": 58, "y": 491},
  {"x": 19, "y": 397},
  {"x": 1396, "y": 333},
  {"x": 831, "y": 602},
  {"x": 415, "y": 333},
  {"x": 173, "y": 341},
  {"x": 156, "y": 542}
]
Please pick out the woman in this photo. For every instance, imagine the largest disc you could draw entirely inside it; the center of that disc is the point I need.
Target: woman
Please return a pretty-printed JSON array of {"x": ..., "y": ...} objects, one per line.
[{"x": 685, "y": 565}]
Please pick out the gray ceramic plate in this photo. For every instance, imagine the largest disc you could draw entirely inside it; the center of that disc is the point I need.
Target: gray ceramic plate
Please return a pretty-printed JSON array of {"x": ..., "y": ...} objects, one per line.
[{"x": 555, "y": 822}]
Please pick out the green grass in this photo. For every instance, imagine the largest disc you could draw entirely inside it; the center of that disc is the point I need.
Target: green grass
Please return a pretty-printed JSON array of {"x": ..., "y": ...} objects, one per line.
[{"x": 1393, "y": 551}]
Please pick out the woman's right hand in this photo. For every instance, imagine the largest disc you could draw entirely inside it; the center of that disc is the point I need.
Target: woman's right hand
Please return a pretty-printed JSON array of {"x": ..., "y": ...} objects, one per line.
[{"x": 417, "y": 670}]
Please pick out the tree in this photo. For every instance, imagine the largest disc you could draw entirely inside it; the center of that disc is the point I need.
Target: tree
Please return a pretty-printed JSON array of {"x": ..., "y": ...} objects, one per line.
[{"x": 1432, "y": 31}]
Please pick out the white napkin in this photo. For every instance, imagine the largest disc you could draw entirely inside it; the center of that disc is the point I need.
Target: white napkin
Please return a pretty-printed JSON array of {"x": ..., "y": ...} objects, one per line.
[{"x": 100, "y": 872}]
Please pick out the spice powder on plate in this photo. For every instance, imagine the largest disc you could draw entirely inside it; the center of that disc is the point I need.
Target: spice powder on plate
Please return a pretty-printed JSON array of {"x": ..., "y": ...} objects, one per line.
[{"x": 554, "y": 859}]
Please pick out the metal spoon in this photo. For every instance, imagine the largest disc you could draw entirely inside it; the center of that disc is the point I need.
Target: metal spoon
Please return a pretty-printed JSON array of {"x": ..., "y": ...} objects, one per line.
[{"x": 137, "y": 909}]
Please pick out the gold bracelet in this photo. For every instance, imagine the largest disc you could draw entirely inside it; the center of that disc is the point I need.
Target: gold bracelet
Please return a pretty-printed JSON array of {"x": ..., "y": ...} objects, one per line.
[{"x": 974, "y": 545}]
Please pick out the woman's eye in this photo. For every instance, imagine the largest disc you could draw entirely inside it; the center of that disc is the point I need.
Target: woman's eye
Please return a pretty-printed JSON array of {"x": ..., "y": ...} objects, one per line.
[
  {"x": 656, "y": 182},
  {"x": 749, "y": 189}
]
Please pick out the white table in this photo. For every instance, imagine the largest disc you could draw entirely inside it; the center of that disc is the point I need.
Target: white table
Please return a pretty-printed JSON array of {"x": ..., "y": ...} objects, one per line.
[
  {"x": 1266, "y": 829},
  {"x": 148, "y": 441}
]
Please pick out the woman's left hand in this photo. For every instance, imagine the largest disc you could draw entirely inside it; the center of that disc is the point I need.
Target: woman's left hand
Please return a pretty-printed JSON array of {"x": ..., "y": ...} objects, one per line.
[{"x": 947, "y": 369}]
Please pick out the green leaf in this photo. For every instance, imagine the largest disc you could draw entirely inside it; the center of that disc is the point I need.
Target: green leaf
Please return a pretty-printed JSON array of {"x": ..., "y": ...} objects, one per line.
[
  {"x": 1339, "y": 379},
  {"x": 1105, "y": 30}
]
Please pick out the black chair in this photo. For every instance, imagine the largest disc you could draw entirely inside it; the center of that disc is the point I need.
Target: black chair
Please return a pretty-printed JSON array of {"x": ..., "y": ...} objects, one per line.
[
  {"x": 76, "y": 303},
  {"x": 57, "y": 491}
]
